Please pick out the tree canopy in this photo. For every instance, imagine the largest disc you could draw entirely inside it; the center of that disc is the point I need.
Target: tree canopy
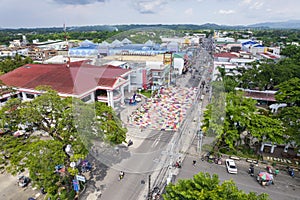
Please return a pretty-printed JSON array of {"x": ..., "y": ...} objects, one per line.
[
  {"x": 49, "y": 123},
  {"x": 11, "y": 63},
  {"x": 289, "y": 92},
  {"x": 240, "y": 122},
  {"x": 204, "y": 186}
]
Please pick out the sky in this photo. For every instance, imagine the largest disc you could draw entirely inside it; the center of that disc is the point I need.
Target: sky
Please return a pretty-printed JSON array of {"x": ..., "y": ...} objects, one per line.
[{"x": 55, "y": 13}]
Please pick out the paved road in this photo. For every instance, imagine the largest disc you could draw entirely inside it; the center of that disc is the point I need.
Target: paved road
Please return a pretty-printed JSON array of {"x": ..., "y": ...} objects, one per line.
[
  {"x": 142, "y": 162},
  {"x": 9, "y": 190},
  {"x": 285, "y": 187},
  {"x": 151, "y": 153}
]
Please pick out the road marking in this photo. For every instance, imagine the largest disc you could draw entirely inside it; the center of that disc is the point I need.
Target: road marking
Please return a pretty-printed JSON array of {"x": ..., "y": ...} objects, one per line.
[{"x": 156, "y": 141}]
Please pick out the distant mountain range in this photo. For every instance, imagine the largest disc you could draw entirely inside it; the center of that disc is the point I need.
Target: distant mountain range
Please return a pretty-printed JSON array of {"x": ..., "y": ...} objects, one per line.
[{"x": 291, "y": 24}]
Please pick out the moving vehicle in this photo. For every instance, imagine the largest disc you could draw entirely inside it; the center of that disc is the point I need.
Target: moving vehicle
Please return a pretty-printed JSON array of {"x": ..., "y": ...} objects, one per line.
[
  {"x": 291, "y": 172},
  {"x": 231, "y": 167},
  {"x": 121, "y": 175},
  {"x": 251, "y": 170}
]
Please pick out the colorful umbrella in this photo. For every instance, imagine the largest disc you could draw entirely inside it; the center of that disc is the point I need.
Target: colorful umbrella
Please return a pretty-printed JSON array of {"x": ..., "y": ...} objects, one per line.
[{"x": 265, "y": 176}]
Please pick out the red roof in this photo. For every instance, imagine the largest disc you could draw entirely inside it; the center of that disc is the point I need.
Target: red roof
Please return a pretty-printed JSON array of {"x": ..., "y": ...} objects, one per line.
[
  {"x": 261, "y": 96},
  {"x": 269, "y": 55},
  {"x": 80, "y": 77},
  {"x": 225, "y": 55}
]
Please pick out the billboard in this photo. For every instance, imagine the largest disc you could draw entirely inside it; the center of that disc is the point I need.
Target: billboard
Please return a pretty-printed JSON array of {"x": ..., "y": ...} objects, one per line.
[{"x": 167, "y": 58}]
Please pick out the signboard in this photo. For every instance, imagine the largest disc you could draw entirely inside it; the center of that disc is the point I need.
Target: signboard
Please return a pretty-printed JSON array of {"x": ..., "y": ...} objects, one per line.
[
  {"x": 80, "y": 178},
  {"x": 167, "y": 58},
  {"x": 72, "y": 164},
  {"x": 76, "y": 185}
]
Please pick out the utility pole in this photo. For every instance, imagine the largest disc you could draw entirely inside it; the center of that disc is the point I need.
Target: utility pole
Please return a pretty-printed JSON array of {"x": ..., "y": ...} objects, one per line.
[
  {"x": 149, "y": 187},
  {"x": 200, "y": 137}
]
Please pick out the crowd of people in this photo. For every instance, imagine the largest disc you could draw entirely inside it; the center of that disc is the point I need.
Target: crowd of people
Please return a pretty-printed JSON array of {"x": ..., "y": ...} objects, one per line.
[{"x": 165, "y": 110}]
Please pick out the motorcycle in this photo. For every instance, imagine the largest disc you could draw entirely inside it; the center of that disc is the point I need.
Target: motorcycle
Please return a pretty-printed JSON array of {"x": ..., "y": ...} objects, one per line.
[
  {"x": 269, "y": 170},
  {"x": 121, "y": 175},
  {"x": 218, "y": 161},
  {"x": 291, "y": 172},
  {"x": 251, "y": 170},
  {"x": 177, "y": 164},
  {"x": 130, "y": 143}
]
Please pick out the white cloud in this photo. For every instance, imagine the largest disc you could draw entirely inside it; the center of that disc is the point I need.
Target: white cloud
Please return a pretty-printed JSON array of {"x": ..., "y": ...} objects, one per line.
[
  {"x": 93, "y": 12},
  {"x": 78, "y": 2},
  {"x": 149, "y": 6},
  {"x": 226, "y": 12},
  {"x": 246, "y": 1},
  {"x": 257, "y": 5},
  {"x": 269, "y": 10},
  {"x": 188, "y": 11}
]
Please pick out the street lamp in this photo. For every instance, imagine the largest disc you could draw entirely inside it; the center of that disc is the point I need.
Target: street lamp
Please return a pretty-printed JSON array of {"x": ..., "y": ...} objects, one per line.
[{"x": 200, "y": 136}]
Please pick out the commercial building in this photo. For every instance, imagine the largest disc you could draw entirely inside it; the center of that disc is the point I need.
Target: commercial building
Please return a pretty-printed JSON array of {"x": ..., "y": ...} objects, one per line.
[{"x": 76, "y": 79}]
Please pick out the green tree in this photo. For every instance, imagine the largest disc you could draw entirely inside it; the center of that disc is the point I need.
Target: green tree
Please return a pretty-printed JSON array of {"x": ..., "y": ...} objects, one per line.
[
  {"x": 289, "y": 117},
  {"x": 241, "y": 121},
  {"x": 107, "y": 118},
  {"x": 11, "y": 63},
  {"x": 289, "y": 92},
  {"x": 290, "y": 51},
  {"x": 203, "y": 186},
  {"x": 56, "y": 116},
  {"x": 266, "y": 129}
]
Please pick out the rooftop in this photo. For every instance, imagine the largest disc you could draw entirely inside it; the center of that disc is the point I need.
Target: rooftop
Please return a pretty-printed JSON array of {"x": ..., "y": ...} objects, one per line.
[
  {"x": 76, "y": 79},
  {"x": 134, "y": 58},
  {"x": 226, "y": 55}
]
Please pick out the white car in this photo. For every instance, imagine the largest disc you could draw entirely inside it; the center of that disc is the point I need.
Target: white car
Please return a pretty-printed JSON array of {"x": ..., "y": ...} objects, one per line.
[{"x": 231, "y": 167}]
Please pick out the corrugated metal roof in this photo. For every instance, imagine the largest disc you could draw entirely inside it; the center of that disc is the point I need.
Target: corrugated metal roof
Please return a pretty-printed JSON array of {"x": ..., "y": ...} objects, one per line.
[{"x": 77, "y": 79}]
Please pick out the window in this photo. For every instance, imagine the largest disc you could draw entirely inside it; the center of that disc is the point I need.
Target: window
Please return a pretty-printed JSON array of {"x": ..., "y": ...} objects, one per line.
[
  {"x": 29, "y": 96},
  {"x": 87, "y": 98}
]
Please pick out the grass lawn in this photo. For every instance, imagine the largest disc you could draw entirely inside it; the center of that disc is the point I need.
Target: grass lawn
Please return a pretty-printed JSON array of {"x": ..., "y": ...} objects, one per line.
[{"x": 146, "y": 93}]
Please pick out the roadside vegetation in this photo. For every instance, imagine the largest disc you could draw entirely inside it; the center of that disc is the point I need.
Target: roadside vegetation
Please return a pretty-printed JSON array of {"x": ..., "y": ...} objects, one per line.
[
  {"x": 37, "y": 133},
  {"x": 239, "y": 124},
  {"x": 208, "y": 187}
]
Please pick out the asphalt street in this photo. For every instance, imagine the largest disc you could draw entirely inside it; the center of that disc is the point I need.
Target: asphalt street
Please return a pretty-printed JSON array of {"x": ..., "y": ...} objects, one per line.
[
  {"x": 142, "y": 162},
  {"x": 9, "y": 189},
  {"x": 285, "y": 187},
  {"x": 152, "y": 153}
]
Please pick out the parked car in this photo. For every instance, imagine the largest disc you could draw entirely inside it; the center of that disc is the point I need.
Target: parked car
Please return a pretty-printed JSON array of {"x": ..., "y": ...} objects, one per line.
[
  {"x": 231, "y": 167},
  {"x": 23, "y": 181}
]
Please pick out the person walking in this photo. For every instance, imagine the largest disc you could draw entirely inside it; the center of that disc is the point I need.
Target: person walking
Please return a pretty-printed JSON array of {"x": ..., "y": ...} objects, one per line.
[{"x": 194, "y": 163}]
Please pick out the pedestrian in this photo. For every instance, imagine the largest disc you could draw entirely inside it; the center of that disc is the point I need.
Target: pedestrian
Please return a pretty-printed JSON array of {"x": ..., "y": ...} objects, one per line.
[
  {"x": 194, "y": 163},
  {"x": 276, "y": 172}
]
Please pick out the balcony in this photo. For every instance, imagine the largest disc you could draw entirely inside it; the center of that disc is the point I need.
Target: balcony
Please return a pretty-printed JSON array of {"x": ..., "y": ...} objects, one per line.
[{"x": 103, "y": 97}]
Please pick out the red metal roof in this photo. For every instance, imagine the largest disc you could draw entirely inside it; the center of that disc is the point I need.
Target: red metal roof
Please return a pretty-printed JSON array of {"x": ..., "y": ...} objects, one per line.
[
  {"x": 225, "y": 55},
  {"x": 261, "y": 96},
  {"x": 268, "y": 55},
  {"x": 78, "y": 78}
]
